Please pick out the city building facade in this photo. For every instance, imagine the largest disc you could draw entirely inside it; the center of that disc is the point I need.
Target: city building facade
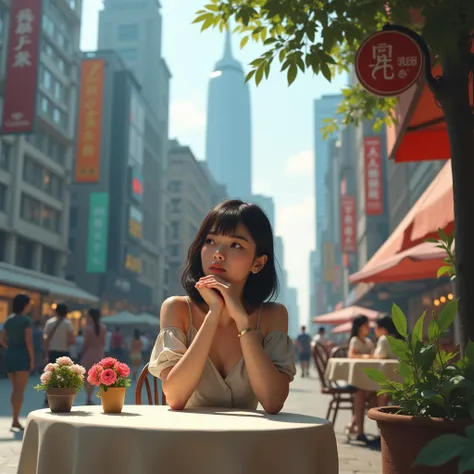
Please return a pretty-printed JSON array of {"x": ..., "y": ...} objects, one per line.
[
  {"x": 192, "y": 193},
  {"x": 228, "y": 133}
]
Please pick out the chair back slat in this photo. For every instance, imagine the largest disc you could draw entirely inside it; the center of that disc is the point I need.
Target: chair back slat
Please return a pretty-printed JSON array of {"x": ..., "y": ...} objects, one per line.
[
  {"x": 321, "y": 356},
  {"x": 144, "y": 382}
]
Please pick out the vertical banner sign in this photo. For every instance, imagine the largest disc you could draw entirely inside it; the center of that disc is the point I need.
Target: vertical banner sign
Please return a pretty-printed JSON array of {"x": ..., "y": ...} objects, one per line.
[
  {"x": 373, "y": 176},
  {"x": 98, "y": 230},
  {"x": 348, "y": 224},
  {"x": 90, "y": 121},
  {"x": 21, "y": 76}
]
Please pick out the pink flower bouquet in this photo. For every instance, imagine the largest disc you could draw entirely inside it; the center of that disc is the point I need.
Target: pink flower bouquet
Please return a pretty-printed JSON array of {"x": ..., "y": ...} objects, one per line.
[
  {"x": 109, "y": 372},
  {"x": 62, "y": 374}
]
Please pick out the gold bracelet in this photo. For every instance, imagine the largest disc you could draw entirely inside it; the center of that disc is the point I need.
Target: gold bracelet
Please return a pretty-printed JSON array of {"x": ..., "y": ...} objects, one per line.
[{"x": 244, "y": 331}]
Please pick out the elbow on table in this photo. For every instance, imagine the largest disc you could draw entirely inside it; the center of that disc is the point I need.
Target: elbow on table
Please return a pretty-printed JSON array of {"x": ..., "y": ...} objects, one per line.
[
  {"x": 175, "y": 403},
  {"x": 273, "y": 407}
]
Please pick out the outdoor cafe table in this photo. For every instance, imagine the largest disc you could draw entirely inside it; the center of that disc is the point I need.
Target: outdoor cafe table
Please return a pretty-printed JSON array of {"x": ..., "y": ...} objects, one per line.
[
  {"x": 350, "y": 371},
  {"x": 147, "y": 439}
]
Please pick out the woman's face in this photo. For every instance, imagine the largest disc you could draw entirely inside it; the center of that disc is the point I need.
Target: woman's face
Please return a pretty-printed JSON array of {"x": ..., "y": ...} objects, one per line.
[
  {"x": 364, "y": 330},
  {"x": 231, "y": 257},
  {"x": 379, "y": 331}
]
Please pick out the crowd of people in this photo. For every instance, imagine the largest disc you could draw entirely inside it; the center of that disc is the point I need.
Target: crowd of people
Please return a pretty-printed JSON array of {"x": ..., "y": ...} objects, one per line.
[{"x": 29, "y": 345}]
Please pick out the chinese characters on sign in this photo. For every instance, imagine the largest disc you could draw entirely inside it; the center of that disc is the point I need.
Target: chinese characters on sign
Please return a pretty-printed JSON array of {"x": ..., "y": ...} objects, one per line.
[
  {"x": 388, "y": 63},
  {"x": 19, "y": 107},
  {"x": 90, "y": 121},
  {"x": 373, "y": 176},
  {"x": 348, "y": 224},
  {"x": 98, "y": 233}
]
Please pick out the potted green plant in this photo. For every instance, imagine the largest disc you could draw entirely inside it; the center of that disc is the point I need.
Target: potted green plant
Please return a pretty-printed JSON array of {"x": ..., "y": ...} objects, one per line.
[{"x": 424, "y": 432}]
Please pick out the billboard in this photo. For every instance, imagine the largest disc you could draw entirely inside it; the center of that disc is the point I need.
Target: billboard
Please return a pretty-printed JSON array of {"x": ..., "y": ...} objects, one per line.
[
  {"x": 373, "y": 176},
  {"x": 21, "y": 76},
  {"x": 348, "y": 224},
  {"x": 135, "y": 222},
  {"x": 98, "y": 233},
  {"x": 90, "y": 121}
]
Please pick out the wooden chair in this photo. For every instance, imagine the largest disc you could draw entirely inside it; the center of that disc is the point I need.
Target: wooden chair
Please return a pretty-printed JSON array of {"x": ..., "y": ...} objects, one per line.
[
  {"x": 342, "y": 396},
  {"x": 339, "y": 351},
  {"x": 143, "y": 380}
]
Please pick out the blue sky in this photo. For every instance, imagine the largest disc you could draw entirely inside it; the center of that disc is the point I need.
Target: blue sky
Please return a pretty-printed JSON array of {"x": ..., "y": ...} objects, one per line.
[{"x": 282, "y": 124}]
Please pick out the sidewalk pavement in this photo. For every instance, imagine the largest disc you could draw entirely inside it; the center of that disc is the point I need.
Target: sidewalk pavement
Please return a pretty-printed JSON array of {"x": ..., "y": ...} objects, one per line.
[{"x": 305, "y": 397}]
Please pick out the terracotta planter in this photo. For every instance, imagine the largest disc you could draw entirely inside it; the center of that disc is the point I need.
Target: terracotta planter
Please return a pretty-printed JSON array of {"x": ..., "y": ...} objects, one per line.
[
  {"x": 403, "y": 437},
  {"x": 112, "y": 399},
  {"x": 60, "y": 400}
]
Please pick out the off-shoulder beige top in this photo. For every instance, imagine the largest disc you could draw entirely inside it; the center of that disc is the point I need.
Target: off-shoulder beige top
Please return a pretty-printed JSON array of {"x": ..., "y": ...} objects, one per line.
[{"x": 233, "y": 391}]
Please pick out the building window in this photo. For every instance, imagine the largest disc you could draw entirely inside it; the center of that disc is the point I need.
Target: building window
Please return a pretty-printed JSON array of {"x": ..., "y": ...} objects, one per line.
[
  {"x": 5, "y": 156},
  {"x": 50, "y": 219},
  {"x": 175, "y": 205},
  {"x": 42, "y": 178},
  {"x": 73, "y": 218},
  {"x": 128, "y": 54},
  {"x": 127, "y": 32},
  {"x": 174, "y": 250},
  {"x": 24, "y": 253},
  {"x": 174, "y": 230},
  {"x": 30, "y": 209},
  {"x": 48, "y": 108},
  {"x": 3, "y": 196},
  {"x": 48, "y": 261},
  {"x": 175, "y": 186}
]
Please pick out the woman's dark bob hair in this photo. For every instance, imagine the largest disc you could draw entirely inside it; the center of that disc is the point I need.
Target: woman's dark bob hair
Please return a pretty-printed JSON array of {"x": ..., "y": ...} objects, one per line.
[{"x": 224, "y": 219}]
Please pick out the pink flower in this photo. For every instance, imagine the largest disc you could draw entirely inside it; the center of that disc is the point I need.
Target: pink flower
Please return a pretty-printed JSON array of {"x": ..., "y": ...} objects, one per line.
[
  {"x": 45, "y": 377},
  {"x": 108, "y": 362},
  {"x": 93, "y": 376},
  {"x": 108, "y": 377},
  {"x": 51, "y": 367},
  {"x": 78, "y": 369},
  {"x": 64, "y": 360},
  {"x": 122, "y": 369}
]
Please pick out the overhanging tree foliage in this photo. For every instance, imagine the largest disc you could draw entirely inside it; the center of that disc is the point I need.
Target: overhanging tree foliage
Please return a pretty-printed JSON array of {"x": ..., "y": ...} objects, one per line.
[{"x": 323, "y": 36}]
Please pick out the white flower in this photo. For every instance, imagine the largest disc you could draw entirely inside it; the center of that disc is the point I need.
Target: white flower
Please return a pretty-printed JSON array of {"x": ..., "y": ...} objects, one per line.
[
  {"x": 78, "y": 369},
  {"x": 45, "y": 377},
  {"x": 64, "y": 360}
]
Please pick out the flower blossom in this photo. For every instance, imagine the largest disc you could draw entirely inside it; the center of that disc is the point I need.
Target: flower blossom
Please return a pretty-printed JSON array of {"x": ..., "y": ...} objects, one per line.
[{"x": 108, "y": 377}]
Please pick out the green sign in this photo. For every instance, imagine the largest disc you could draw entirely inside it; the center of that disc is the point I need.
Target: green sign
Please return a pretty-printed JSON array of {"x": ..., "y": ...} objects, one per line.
[{"x": 98, "y": 229}]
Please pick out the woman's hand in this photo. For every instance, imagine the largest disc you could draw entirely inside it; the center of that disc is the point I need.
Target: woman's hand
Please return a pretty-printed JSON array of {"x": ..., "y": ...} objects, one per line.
[
  {"x": 231, "y": 298},
  {"x": 213, "y": 298}
]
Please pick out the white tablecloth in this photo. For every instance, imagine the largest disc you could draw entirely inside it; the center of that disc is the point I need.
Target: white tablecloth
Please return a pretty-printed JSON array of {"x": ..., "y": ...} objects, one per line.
[
  {"x": 154, "y": 439},
  {"x": 350, "y": 371}
]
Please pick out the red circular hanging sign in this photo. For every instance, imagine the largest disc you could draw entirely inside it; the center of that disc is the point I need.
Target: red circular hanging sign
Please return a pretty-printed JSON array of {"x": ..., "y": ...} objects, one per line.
[{"x": 388, "y": 63}]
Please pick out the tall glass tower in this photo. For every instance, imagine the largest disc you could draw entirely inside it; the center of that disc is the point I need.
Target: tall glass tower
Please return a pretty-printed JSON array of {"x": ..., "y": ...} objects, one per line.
[{"x": 228, "y": 135}]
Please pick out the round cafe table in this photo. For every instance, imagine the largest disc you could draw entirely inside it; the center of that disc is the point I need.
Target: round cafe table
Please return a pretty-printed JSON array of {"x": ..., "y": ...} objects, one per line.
[
  {"x": 147, "y": 439},
  {"x": 351, "y": 371}
]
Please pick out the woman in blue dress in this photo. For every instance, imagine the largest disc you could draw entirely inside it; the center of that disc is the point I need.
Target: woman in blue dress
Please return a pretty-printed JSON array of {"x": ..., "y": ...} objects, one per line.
[{"x": 17, "y": 337}]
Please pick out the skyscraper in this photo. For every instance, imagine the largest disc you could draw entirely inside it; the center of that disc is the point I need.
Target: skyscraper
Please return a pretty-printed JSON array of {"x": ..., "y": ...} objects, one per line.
[{"x": 228, "y": 136}]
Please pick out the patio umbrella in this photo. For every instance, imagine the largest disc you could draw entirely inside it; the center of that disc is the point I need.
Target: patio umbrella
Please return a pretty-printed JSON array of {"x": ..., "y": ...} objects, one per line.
[{"x": 345, "y": 315}]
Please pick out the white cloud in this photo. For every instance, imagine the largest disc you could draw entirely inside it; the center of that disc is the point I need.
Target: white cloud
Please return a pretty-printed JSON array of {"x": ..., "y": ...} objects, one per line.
[
  {"x": 300, "y": 164},
  {"x": 295, "y": 225},
  {"x": 187, "y": 115}
]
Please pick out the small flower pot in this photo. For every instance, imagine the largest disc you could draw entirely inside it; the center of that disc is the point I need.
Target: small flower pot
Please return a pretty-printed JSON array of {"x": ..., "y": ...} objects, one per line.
[
  {"x": 112, "y": 399},
  {"x": 60, "y": 400}
]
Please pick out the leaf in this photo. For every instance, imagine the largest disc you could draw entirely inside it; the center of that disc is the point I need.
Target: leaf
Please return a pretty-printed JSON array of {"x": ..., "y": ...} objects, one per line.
[
  {"x": 292, "y": 72},
  {"x": 433, "y": 331},
  {"x": 244, "y": 41},
  {"x": 326, "y": 72},
  {"x": 259, "y": 74},
  {"x": 376, "y": 375},
  {"x": 417, "y": 335},
  {"x": 470, "y": 431},
  {"x": 441, "y": 450},
  {"x": 399, "y": 320},
  {"x": 470, "y": 351},
  {"x": 250, "y": 75},
  {"x": 399, "y": 348},
  {"x": 466, "y": 463},
  {"x": 443, "y": 270}
]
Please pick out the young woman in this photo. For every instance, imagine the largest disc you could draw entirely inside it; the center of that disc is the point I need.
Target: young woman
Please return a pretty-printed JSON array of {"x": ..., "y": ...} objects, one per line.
[
  {"x": 224, "y": 344},
  {"x": 360, "y": 347},
  {"x": 384, "y": 327},
  {"x": 93, "y": 347},
  {"x": 19, "y": 358}
]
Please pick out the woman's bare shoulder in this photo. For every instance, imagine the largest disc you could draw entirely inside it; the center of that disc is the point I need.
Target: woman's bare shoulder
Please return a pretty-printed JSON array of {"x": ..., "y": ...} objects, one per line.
[
  {"x": 274, "y": 317},
  {"x": 175, "y": 312}
]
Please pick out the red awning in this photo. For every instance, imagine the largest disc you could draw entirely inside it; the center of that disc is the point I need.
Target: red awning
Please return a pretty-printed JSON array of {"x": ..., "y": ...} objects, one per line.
[
  {"x": 417, "y": 263},
  {"x": 347, "y": 327},
  {"x": 345, "y": 315},
  {"x": 434, "y": 209}
]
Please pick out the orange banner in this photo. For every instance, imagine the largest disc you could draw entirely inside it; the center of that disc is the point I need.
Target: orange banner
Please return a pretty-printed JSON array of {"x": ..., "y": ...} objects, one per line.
[{"x": 90, "y": 121}]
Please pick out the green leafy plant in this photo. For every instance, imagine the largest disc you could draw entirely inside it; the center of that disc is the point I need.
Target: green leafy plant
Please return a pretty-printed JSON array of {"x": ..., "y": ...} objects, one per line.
[
  {"x": 62, "y": 374},
  {"x": 446, "y": 243}
]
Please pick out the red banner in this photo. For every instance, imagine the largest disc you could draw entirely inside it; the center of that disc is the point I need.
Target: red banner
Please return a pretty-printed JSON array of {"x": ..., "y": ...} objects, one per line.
[
  {"x": 348, "y": 224},
  {"x": 373, "y": 176},
  {"x": 19, "y": 106}
]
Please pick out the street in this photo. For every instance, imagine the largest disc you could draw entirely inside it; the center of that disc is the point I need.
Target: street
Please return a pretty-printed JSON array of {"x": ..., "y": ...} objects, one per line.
[{"x": 305, "y": 397}]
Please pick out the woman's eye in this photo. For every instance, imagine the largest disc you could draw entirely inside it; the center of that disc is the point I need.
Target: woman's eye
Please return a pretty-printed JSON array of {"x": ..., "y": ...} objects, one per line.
[
  {"x": 209, "y": 241},
  {"x": 236, "y": 245}
]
